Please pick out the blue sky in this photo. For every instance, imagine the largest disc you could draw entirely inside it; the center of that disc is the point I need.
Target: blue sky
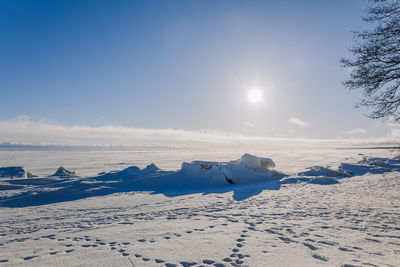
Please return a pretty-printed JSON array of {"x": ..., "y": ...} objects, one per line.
[{"x": 181, "y": 65}]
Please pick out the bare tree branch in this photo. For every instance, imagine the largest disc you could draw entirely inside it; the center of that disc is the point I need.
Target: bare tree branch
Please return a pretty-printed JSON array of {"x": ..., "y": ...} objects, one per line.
[{"x": 376, "y": 66}]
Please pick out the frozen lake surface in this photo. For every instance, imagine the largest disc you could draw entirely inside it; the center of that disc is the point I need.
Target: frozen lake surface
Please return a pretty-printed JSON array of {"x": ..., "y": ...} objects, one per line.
[{"x": 344, "y": 210}]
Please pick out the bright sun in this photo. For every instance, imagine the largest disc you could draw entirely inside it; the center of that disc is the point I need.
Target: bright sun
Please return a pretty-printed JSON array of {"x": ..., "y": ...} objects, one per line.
[{"x": 254, "y": 95}]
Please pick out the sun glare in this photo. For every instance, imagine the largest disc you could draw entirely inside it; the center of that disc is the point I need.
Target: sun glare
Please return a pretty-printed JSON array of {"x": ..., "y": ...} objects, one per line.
[{"x": 254, "y": 95}]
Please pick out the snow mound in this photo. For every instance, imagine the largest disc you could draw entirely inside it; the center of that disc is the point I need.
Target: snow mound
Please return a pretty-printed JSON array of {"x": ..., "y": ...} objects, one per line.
[
  {"x": 16, "y": 172},
  {"x": 132, "y": 170},
  {"x": 371, "y": 165},
  {"x": 63, "y": 172},
  {"x": 129, "y": 173},
  {"x": 380, "y": 162},
  {"x": 246, "y": 170},
  {"x": 151, "y": 168},
  {"x": 323, "y": 171}
]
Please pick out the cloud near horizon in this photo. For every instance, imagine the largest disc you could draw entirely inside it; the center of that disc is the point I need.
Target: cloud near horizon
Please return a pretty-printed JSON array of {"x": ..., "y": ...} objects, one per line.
[
  {"x": 24, "y": 130},
  {"x": 299, "y": 122},
  {"x": 355, "y": 131}
]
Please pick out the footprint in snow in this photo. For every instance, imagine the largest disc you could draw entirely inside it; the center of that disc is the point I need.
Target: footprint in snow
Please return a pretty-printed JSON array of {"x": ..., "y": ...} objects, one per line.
[
  {"x": 187, "y": 264},
  {"x": 373, "y": 240},
  {"x": 227, "y": 259},
  {"x": 240, "y": 262},
  {"x": 328, "y": 243},
  {"x": 29, "y": 258},
  {"x": 319, "y": 257},
  {"x": 345, "y": 249},
  {"x": 310, "y": 246}
]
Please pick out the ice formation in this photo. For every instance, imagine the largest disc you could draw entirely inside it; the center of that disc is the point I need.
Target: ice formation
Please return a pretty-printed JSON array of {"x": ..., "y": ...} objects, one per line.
[
  {"x": 16, "y": 172},
  {"x": 248, "y": 169},
  {"x": 63, "y": 172},
  {"x": 132, "y": 172},
  {"x": 197, "y": 176},
  {"x": 256, "y": 163}
]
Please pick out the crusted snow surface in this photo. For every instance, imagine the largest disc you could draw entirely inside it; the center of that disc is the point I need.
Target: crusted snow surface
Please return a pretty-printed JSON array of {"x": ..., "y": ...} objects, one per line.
[{"x": 129, "y": 218}]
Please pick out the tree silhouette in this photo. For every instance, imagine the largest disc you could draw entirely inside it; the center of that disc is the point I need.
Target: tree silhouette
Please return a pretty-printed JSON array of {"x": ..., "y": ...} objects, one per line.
[{"x": 376, "y": 67}]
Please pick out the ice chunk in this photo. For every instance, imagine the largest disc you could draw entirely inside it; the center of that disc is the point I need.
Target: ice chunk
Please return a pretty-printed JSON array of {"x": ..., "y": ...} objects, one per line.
[
  {"x": 132, "y": 170},
  {"x": 63, "y": 172},
  {"x": 374, "y": 161},
  {"x": 203, "y": 173},
  {"x": 151, "y": 168},
  {"x": 16, "y": 172},
  {"x": 256, "y": 163},
  {"x": 204, "y": 165},
  {"x": 246, "y": 170},
  {"x": 381, "y": 162}
]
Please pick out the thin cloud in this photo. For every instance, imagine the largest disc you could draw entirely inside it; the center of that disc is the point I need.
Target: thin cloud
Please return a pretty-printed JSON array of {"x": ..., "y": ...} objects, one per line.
[
  {"x": 24, "y": 130},
  {"x": 299, "y": 122},
  {"x": 355, "y": 131}
]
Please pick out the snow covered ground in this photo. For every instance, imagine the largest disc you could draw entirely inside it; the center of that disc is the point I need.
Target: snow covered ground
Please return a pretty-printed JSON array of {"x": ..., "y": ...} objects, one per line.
[{"x": 331, "y": 208}]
